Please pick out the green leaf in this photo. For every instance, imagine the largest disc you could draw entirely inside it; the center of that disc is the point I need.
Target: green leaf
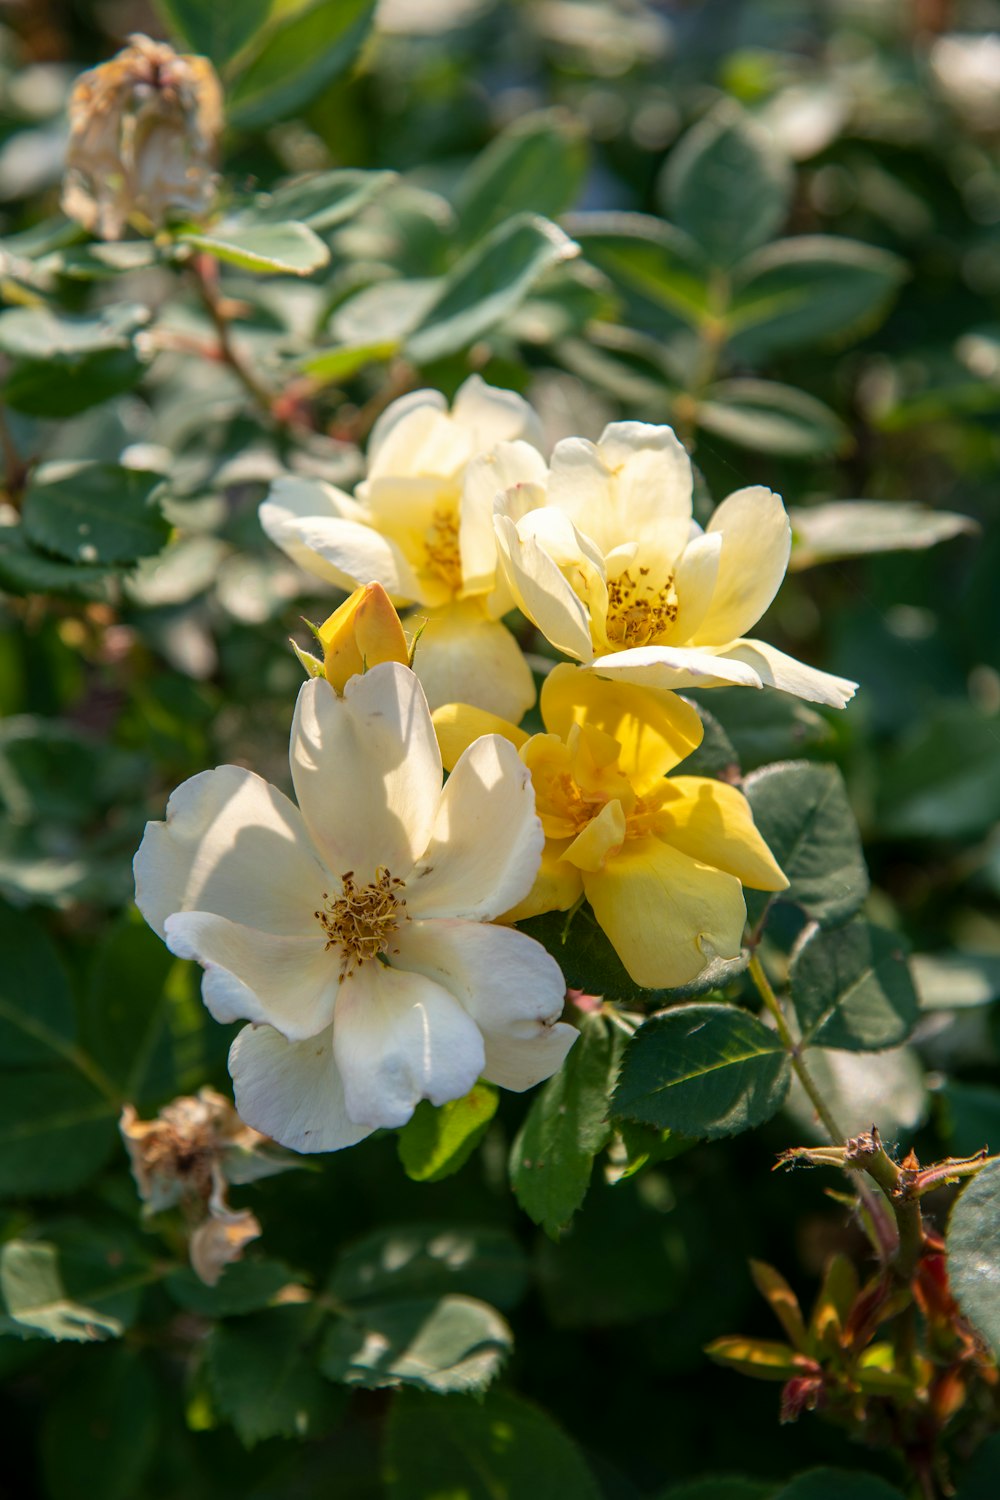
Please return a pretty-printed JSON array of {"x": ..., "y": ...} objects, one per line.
[
  {"x": 567, "y": 1125},
  {"x": 56, "y": 1130},
  {"x": 804, "y": 816},
  {"x": 430, "y": 1260},
  {"x": 452, "y": 1344},
  {"x": 536, "y": 166},
  {"x": 83, "y": 1286},
  {"x": 808, "y": 291},
  {"x": 124, "y": 1021},
  {"x": 888, "y": 1088},
  {"x": 851, "y": 988},
  {"x": 497, "y": 1448},
  {"x": 944, "y": 780},
  {"x": 979, "y": 1478},
  {"x": 837, "y": 1484},
  {"x": 725, "y": 1487},
  {"x": 63, "y": 365},
  {"x": 320, "y": 200},
  {"x": 727, "y": 185},
  {"x": 770, "y": 418},
  {"x": 645, "y": 1145},
  {"x": 218, "y": 32},
  {"x": 262, "y": 1377},
  {"x": 657, "y": 270},
  {"x": 974, "y": 1252},
  {"x": 297, "y": 60},
  {"x": 94, "y": 513},
  {"x": 487, "y": 284},
  {"x": 23, "y": 570},
  {"x": 245, "y": 1286},
  {"x": 703, "y": 1070},
  {"x": 969, "y": 1117},
  {"x": 332, "y": 366},
  {"x": 437, "y": 1141},
  {"x": 99, "y": 1432},
  {"x": 37, "y": 1019},
  {"x": 953, "y": 981},
  {"x": 290, "y": 247},
  {"x": 857, "y": 528},
  {"x": 764, "y": 727}
]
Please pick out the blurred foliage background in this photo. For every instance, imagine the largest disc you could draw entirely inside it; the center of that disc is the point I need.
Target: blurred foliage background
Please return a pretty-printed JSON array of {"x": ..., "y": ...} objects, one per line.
[{"x": 877, "y": 123}]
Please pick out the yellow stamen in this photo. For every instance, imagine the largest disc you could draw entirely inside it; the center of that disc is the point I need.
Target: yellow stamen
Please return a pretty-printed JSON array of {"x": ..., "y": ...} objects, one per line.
[
  {"x": 441, "y": 547},
  {"x": 363, "y": 919},
  {"x": 639, "y": 612}
]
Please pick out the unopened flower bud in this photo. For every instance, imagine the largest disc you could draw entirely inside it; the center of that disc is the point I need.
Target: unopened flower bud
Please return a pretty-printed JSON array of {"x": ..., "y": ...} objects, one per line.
[
  {"x": 144, "y": 129},
  {"x": 363, "y": 632}
]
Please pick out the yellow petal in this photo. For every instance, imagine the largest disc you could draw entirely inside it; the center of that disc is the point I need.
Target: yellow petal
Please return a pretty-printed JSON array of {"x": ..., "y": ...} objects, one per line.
[
  {"x": 557, "y": 885},
  {"x": 602, "y": 837},
  {"x": 655, "y": 730},
  {"x": 666, "y": 915},
  {"x": 462, "y": 656},
  {"x": 363, "y": 632},
  {"x": 712, "y": 822},
  {"x": 458, "y": 724}
]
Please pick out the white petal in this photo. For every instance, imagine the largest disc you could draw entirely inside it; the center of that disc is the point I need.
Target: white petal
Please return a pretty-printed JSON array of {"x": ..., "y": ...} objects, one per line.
[
  {"x": 462, "y": 656},
  {"x": 290, "y": 983},
  {"x": 348, "y": 553},
  {"x": 396, "y": 413},
  {"x": 518, "y": 1064},
  {"x": 756, "y": 543},
  {"x": 494, "y": 416},
  {"x": 674, "y": 667},
  {"x": 489, "y": 475},
  {"x": 487, "y": 844},
  {"x": 775, "y": 669},
  {"x": 506, "y": 981},
  {"x": 542, "y": 592},
  {"x": 367, "y": 770},
  {"x": 293, "y": 516},
  {"x": 399, "y": 1038},
  {"x": 292, "y": 1091},
  {"x": 653, "y": 485},
  {"x": 234, "y": 845}
]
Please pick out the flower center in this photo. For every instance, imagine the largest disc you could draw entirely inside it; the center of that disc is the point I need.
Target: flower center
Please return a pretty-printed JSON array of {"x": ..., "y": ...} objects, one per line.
[
  {"x": 362, "y": 920},
  {"x": 639, "y": 611},
  {"x": 441, "y": 547}
]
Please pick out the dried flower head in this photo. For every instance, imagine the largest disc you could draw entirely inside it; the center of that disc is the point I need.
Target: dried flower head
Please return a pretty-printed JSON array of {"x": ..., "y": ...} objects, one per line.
[{"x": 144, "y": 129}]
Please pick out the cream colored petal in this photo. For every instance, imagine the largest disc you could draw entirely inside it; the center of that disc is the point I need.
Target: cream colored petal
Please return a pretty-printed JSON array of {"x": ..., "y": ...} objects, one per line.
[
  {"x": 505, "y": 980},
  {"x": 290, "y": 983},
  {"x": 675, "y": 668},
  {"x": 601, "y": 839},
  {"x": 775, "y": 669},
  {"x": 492, "y": 416},
  {"x": 292, "y": 1091},
  {"x": 653, "y": 486},
  {"x": 398, "y": 1038},
  {"x": 457, "y": 725},
  {"x": 462, "y": 656},
  {"x": 487, "y": 841},
  {"x": 299, "y": 515},
  {"x": 487, "y": 476},
  {"x": 231, "y": 844},
  {"x": 712, "y": 822},
  {"x": 346, "y": 553},
  {"x": 756, "y": 544},
  {"x": 581, "y": 486},
  {"x": 394, "y": 436},
  {"x": 518, "y": 1064},
  {"x": 367, "y": 770},
  {"x": 695, "y": 579},
  {"x": 655, "y": 730},
  {"x": 667, "y": 916},
  {"x": 542, "y": 592}
]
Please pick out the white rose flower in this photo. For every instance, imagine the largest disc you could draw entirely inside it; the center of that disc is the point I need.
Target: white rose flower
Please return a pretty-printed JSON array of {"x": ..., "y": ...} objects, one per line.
[
  {"x": 354, "y": 931},
  {"x": 609, "y": 564},
  {"x": 421, "y": 525}
]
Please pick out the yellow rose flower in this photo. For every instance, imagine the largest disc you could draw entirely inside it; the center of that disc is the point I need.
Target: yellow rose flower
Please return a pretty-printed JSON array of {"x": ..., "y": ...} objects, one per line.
[
  {"x": 661, "y": 859},
  {"x": 363, "y": 632}
]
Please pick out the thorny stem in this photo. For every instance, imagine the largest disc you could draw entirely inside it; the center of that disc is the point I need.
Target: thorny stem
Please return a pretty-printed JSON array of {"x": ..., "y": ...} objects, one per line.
[
  {"x": 868, "y": 1153},
  {"x": 205, "y": 275}
]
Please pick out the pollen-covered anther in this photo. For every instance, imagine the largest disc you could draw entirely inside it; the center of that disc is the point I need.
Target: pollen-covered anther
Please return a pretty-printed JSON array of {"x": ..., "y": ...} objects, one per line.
[
  {"x": 362, "y": 920},
  {"x": 639, "y": 612},
  {"x": 442, "y": 547}
]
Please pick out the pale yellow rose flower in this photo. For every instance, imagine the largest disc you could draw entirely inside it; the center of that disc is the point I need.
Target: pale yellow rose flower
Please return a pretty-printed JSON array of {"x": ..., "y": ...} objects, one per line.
[{"x": 144, "y": 129}]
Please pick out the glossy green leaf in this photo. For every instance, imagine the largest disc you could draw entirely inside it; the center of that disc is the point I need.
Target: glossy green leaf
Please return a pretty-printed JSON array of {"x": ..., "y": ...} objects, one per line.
[
  {"x": 82, "y": 1284},
  {"x": 62, "y": 365},
  {"x": 727, "y": 185},
  {"x": 438, "y": 1140},
  {"x": 808, "y": 291},
  {"x": 764, "y": 727},
  {"x": 656, "y": 269},
  {"x": 703, "y": 1070},
  {"x": 297, "y": 59},
  {"x": 887, "y": 1088},
  {"x": 431, "y": 1260},
  {"x": 771, "y": 418},
  {"x": 487, "y": 284},
  {"x": 851, "y": 988},
  {"x": 262, "y": 1375},
  {"x": 536, "y": 166},
  {"x": 805, "y": 818},
  {"x": 567, "y": 1125},
  {"x": 99, "y": 1433},
  {"x": 857, "y": 528},
  {"x": 452, "y": 1344},
  {"x": 245, "y": 1286},
  {"x": 289, "y": 247},
  {"x": 321, "y": 200},
  {"x": 56, "y": 1129},
  {"x": 26, "y": 570},
  {"x": 497, "y": 1448},
  {"x": 974, "y": 1252},
  {"x": 94, "y": 513},
  {"x": 218, "y": 32}
]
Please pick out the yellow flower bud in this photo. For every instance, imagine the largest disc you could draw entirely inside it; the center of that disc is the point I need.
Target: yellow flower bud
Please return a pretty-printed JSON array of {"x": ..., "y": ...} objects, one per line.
[
  {"x": 144, "y": 129},
  {"x": 364, "y": 631}
]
